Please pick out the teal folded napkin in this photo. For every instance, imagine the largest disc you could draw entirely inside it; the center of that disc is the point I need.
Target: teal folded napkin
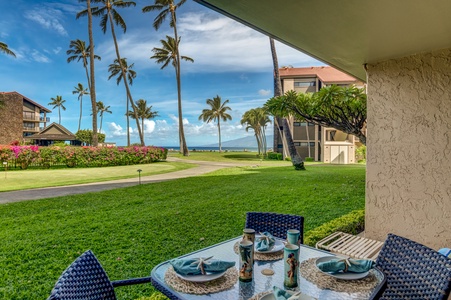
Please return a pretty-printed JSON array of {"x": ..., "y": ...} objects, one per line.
[
  {"x": 346, "y": 265},
  {"x": 265, "y": 241},
  {"x": 281, "y": 294},
  {"x": 199, "y": 266}
]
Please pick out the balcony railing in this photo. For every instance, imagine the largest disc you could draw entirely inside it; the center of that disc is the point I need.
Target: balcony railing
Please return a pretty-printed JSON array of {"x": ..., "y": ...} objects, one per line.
[{"x": 46, "y": 119}]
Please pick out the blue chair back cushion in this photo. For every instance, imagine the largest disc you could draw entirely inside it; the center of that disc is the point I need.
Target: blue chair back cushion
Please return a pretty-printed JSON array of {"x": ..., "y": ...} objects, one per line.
[
  {"x": 84, "y": 279},
  {"x": 413, "y": 271}
]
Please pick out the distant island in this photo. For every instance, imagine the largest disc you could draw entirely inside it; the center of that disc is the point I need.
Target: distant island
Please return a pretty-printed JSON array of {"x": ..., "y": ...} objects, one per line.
[{"x": 248, "y": 142}]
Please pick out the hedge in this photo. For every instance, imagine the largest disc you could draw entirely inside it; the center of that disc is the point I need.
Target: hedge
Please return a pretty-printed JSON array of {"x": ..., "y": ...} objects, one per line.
[{"x": 352, "y": 223}]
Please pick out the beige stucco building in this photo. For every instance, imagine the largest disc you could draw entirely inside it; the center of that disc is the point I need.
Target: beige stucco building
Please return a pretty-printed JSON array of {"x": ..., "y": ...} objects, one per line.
[
  {"x": 20, "y": 117},
  {"x": 320, "y": 143},
  {"x": 402, "y": 50}
]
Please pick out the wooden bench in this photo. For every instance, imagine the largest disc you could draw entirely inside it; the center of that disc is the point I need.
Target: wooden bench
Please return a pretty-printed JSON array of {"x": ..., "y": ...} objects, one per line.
[{"x": 350, "y": 245}]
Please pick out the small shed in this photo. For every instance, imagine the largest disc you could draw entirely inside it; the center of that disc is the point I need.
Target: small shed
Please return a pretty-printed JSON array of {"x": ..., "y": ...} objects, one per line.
[{"x": 53, "y": 133}]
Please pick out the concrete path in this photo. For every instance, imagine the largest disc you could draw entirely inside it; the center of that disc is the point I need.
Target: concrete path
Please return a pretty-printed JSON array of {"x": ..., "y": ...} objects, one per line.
[{"x": 202, "y": 167}]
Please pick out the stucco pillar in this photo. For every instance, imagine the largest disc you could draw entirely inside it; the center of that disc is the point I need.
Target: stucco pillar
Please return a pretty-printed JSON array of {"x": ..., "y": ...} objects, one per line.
[{"x": 408, "y": 185}]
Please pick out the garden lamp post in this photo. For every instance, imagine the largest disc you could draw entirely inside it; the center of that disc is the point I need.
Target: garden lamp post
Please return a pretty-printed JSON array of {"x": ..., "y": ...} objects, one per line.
[{"x": 139, "y": 175}]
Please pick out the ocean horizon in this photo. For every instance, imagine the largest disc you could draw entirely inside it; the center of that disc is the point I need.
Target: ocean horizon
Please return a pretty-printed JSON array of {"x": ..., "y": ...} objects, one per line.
[{"x": 212, "y": 148}]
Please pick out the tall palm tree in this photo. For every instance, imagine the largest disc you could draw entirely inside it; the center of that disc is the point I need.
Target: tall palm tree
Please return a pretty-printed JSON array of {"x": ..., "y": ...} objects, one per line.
[
  {"x": 296, "y": 159},
  {"x": 144, "y": 112},
  {"x": 58, "y": 102},
  {"x": 108, "y": 13},
  {"x": 168, "y": 7},
  {"x": 257, "y": 120},
  {"x": 169, "y": 54},
  {"x": 79, "y": 51},
  {"x": 216, "y": 112},
  {"x": 116, "y": 70},
  {"x": 102, "y": 109},
  {"x": 81, "y": 91},
  {"x": 4, "y": 48}
]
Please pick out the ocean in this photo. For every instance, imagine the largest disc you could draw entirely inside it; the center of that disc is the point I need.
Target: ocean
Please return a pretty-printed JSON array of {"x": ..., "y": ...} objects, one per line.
[{"x": 211, "y": 149}]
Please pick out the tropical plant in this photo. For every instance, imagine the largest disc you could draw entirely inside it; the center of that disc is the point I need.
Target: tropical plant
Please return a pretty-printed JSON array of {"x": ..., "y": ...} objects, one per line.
[
  {"x": 58, "y": 102},
  {"x": 296, "y": 159},
  {"x": 168, "y": 7},
  {"x": 78, "y": 51},
  {"x": 215, "y": 113},
  {"x": 169, "y": 54},
  {"x": 108, "y": 13},
  {"x": 101, "y": 109},
  {"x": 257, "y": 119},
  {"x": 4, "y": 48},
  {"x": 81, "y": 91},
  {"x": 144, "y": 112},
  {"x": 116, "y": 70}
]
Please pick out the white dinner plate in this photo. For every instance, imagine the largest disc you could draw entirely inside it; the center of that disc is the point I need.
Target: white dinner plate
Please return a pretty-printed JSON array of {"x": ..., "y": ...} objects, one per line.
[
  {"x": 271, "y": 297},
  {"x": 340, "y": 275},
  {"x": 278, "y": 245},
  {"x": 201, "y": 278}
]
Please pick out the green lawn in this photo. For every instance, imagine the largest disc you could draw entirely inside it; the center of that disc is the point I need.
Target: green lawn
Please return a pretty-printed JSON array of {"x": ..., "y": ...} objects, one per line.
[
  {"x": 133, "y": 229},
  {"x": 28, "y": 179}
]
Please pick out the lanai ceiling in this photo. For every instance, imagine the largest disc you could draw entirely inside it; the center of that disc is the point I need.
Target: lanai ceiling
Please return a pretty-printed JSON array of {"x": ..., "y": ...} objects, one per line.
[{"x": 347, "y": 34}]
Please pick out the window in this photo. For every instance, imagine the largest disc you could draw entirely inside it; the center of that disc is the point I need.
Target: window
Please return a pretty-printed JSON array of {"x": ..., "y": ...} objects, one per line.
[
  {"x": 28, "y": 125},
  {"x": 28, "y": 115},
  {"x": 296, "y": 124},
  {"x": 304, "y": 84}
]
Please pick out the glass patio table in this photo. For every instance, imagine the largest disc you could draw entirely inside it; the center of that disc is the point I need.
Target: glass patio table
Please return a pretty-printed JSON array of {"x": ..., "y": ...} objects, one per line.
[{"x": 260, "y": 283}]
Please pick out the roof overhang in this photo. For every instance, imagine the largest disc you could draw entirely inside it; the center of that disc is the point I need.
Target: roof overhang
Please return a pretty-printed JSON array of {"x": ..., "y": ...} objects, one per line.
[{"x": 347, "y": 34}]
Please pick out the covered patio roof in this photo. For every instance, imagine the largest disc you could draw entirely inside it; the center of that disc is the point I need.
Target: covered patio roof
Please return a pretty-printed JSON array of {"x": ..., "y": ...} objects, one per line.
[{"x": 347, "y": 34}]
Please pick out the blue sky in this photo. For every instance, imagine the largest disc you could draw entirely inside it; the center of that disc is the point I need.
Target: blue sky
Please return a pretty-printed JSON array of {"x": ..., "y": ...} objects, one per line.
[{"x": 230, "y": 60}]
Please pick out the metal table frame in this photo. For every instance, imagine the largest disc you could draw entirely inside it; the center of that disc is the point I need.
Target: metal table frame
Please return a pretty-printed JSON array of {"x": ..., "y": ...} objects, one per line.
[{"x": 260, "y": 283}]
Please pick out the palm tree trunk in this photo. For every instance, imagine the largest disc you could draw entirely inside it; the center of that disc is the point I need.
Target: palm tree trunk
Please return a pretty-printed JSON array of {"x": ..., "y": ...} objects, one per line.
[
  {"x": 183, "y": 146},
  {"x": 101, "y": 120},
  {"x": 296, "y": 159},
  {"x": 219, "y": 133},
  {"x": 308, "y": 138},
  {"x": 142, "y": 126},
  {"x": 124, "y": 77},
  {"x": 79, "y": 120},
  {"x": 92, "y": 86},
  {"x": 59, "y": 114},
  {"x": 128, "y": 123}
]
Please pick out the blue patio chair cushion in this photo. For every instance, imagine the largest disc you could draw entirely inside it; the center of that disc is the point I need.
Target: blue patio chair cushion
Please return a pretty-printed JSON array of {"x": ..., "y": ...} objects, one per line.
[
  {"x": 445, "y": 251},
  {"x": 413, "y": 271}
]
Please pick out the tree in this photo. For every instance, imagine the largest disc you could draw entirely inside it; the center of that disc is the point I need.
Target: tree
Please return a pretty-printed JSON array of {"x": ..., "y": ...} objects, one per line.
[
  {"x": 343, "y": 108},
  {"x": 169, "y": 54},
  {"x": 115, "y": 70},
  {"x": 257, "y": 120},
  {"x": 216, "y": 113},
  {"x": 58, "y": 102},
  {"x": 80, "y": 90},
  {"x": 85, "y": 136},
  {"x": 101, "y": 109},
  {"x": 168, "y": 7},
  {"x": 144, "y": 112},
  {"x": 108, "y": 13},
  {"x": 4, "y": 48},
  {"x": 78, "y": 51},
  {"x": 296, "y": 159}
]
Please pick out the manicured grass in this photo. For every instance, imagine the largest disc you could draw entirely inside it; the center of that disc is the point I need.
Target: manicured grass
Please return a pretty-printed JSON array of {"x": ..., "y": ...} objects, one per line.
[
  {"x": 28, "y": 179},
  {"x": 133, "y": 229}
]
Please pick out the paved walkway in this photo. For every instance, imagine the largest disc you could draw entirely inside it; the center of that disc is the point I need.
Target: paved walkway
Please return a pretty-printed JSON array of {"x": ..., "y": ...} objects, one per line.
[{"x": 202, "y": 167}]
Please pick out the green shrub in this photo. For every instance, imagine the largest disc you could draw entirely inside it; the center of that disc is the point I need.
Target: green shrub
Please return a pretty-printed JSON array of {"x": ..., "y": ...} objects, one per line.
[
  {"x": 360, "y": 154},
  {"x": 275, "y": 155},
  {"x": 352, "y": 223},
  {"x": 310, "y": 159}
]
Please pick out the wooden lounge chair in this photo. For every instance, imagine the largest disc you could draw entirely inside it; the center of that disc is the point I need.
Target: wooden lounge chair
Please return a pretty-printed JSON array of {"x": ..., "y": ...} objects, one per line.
[
  {"x": 85, "y": 279},
  {"x": 276, "y": 224}
]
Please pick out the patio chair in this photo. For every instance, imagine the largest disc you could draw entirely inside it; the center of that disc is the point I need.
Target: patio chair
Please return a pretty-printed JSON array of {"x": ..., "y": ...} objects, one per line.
[
  {"x": 413, "y": 271},
  {"x": 85, "y": 279},
  {"x": 276, "y": 224}
]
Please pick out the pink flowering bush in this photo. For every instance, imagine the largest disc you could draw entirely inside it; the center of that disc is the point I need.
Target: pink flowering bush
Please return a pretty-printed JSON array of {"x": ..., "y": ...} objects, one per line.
[{"x": 45, "y": 157}]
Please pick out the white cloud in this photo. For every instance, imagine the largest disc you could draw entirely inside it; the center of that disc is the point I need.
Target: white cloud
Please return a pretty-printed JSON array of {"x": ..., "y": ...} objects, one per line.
[
  {"x": 149, "y": 126},
  {"x": 263, "y": 92},
  {"x": 39, "y": 57},
  {"x": 57, "y": 50},
  {"x": 48, "y": 18}
]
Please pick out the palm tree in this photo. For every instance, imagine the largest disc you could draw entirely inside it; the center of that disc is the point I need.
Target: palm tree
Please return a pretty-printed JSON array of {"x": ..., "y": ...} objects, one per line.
[
  {"x": 296, "y": 159},
  {"x": 58, "y": 102},
  {"x": 116, "y": 70},
  {"x": 4, "y": 48},
  {"x": 80, "y": 90},
  {"x": 216, "y": 112},
  {"x": 110, "y": 14},
  {"x": 144, "y": 112},
  {"x": 101, "y": 109},
  {"x": 167, "y": 7},
  {"x": 257, "y": 120},
  {"x": 169, "y": 54},
  {"x": 78, "y": 51}
]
